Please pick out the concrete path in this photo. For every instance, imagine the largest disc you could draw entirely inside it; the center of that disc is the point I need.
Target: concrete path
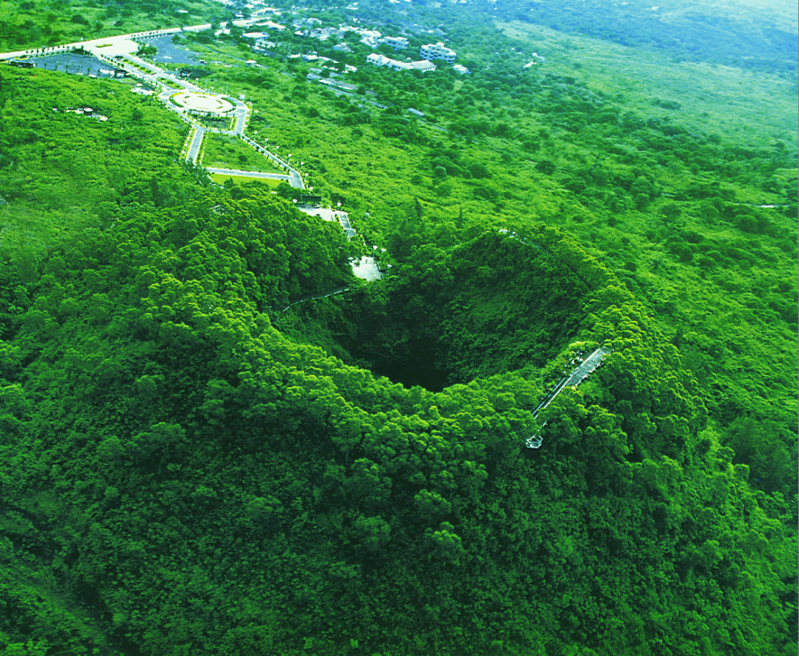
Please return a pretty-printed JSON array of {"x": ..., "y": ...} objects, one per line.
[
  {"x": 194, "y": 147},
  {"x": 295, "y": 178},
  {"x": 313, "y": 297},
  {"x": 577, "y": 376},
  {"x": 241, "y": 114},
  {"x": 169, "y": 85}
]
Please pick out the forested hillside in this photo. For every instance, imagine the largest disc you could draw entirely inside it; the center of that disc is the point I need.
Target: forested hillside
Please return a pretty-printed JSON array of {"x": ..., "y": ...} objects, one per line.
[
  {"x": 40, "y": 23},
  {"x": 189, "y": 466},
  {"x": 202, "y": 484},
  {"x": 759, "y": 36}
]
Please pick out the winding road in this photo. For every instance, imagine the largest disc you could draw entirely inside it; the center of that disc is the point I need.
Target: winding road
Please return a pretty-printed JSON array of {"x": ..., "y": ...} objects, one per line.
[{"x": 120, "y": 52}]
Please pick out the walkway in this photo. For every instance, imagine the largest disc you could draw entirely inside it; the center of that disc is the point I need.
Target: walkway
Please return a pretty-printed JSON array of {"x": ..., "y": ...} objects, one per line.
[
  {"x": 196, "y": 141},
  {"x": 313, "y": 297},
  {"x": 119, "y": 52},
  {"x": 578, "y": 375},
  {"x": 330, "y": 214}
]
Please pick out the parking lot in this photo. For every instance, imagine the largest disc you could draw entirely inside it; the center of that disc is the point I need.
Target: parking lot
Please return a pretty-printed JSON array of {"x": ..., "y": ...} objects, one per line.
[
  {"x": 169, "y": 53},
  {"x": 68, "y": 62}
]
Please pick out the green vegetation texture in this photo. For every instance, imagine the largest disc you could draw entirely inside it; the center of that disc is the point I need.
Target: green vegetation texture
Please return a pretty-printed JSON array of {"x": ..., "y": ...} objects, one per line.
[
  {"x": 228, "y": 152},
  {"x": 188, "y": 467},
  {"x": 242, "y": 179}
]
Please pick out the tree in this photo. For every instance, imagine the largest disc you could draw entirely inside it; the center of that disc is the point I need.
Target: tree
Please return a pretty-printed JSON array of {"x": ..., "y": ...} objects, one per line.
[
  {"x": 110, "y": 450},
  {"x": 446, "y": 544},
  {"x": 373, "y": 532},
  {"x": 547, "y": 167}
]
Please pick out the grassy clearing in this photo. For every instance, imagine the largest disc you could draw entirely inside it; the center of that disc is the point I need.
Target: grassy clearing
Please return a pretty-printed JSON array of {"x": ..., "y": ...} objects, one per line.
[
  {"x": 226, "y": 152},
  {"x": 746, "y": 107}
]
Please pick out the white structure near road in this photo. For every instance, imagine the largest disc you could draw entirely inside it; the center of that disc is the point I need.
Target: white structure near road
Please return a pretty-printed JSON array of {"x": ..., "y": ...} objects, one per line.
[
  {"x": 178, "y": 95},
  {"x": 202, "y": 102},
  {"x": 329, "y": 214},
  {"x": 369, "y": 37},
  {"x": 185, "y": 99},
  {"x": 366, "y": 269}
]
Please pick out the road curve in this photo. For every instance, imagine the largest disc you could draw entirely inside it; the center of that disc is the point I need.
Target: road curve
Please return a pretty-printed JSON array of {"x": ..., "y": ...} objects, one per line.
[{"x": 120, "y": 51}]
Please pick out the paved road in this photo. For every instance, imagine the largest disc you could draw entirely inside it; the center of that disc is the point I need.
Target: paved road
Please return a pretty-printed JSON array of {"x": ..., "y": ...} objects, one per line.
[
  {"x": 294, "y": 177},
  {"x": 120, "y": 51},
  {"x": 123, "y": 43},
  {"x": 157, "y": 75},
  {"x": 241, "y": 114},
  {"x": 196, "y": 142}
]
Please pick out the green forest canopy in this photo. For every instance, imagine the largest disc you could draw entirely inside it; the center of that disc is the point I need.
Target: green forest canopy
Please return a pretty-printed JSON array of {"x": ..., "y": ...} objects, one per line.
[{"x": 186, "y": 470}]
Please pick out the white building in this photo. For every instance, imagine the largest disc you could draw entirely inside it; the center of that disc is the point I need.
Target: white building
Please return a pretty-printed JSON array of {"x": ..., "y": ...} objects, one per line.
[
  {"x": 376, "y": 59},
  {"x": 260, "y": 40},
  {"x": 423, "y": 66},
  {"x": 396, "y": 42},
  {"x": 438, "y": 50},
  {"x": 323, "y": 33},
  {"x": 272, "y": 26},
  {"x": 381, "y": 60},
  {"x": 458, "y": 68}
]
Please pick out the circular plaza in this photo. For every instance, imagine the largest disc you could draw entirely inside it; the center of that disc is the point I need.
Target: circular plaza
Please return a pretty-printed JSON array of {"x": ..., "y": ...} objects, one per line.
[{"x": 201, "y": 102}]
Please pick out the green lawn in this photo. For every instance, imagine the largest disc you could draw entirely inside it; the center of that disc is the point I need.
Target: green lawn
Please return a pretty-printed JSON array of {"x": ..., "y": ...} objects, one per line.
[
  {"x": 226, "y": 152},
  {"x": 243, "y": 179},
  {"x": 746, "y": 107}
]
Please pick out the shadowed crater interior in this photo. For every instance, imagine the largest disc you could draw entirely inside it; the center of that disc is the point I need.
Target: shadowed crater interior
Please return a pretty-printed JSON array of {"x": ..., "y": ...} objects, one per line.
[{"x": 489, "y": 306}]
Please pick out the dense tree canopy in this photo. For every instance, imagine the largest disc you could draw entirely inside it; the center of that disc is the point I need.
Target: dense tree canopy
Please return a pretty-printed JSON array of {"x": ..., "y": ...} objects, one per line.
[
  {"x": 209, "y": 486},
  {"x": 192, "y": 464}
]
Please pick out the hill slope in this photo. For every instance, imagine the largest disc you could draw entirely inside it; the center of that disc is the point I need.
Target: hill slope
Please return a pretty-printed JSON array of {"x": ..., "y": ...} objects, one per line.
[
  {"x": 197, "y": 483},
  {"x": 186, "y": 469}
]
